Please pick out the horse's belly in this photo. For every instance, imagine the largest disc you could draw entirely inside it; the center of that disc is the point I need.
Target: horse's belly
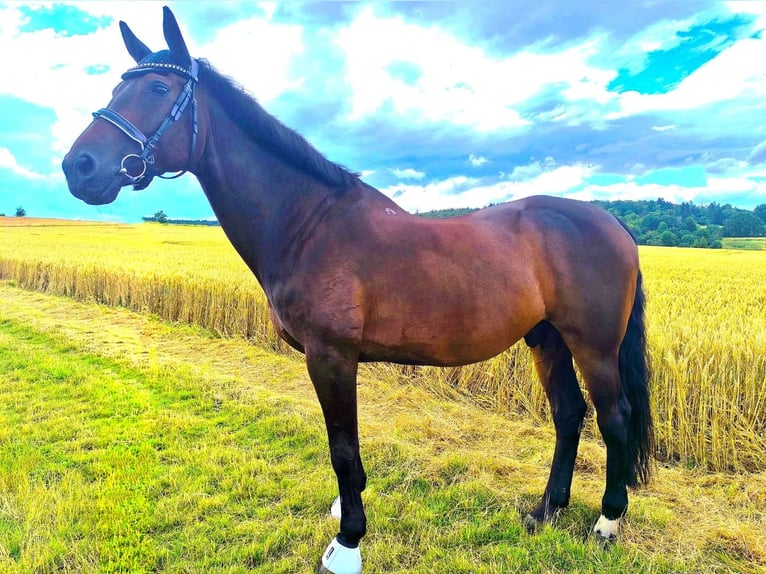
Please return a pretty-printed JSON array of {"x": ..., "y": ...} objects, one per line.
[
  {"x": 465, "y": 314},
  {"x": 443, "y": 343}
]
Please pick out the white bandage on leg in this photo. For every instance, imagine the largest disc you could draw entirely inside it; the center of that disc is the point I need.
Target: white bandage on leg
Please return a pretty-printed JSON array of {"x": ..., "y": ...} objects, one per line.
[
  {"x": 335, "y": 509},
  {"x": 338, "y": 559}
]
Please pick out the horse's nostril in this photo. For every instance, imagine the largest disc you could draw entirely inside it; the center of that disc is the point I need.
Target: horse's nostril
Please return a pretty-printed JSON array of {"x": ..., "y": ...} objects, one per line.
[{"x": 85, "y": 165}]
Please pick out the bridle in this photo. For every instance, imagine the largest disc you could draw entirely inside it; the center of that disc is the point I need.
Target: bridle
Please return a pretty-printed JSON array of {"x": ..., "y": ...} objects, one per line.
[{"x": 148, "y": 144}]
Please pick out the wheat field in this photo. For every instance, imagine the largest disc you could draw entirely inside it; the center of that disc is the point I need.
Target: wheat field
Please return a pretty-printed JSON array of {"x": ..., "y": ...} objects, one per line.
[{"x": 706, "y": 315}]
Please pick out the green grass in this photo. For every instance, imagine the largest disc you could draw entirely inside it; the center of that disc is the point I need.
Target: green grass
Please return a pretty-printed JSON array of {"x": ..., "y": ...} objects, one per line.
[
  {"x": 744, "y": 243},
  {"x": 107, "y": 468},
  {"x": 131, "y": 445}
]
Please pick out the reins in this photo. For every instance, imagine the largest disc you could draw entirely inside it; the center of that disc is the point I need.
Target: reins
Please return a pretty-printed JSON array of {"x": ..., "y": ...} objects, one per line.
[{"x": 148, "y": 144}]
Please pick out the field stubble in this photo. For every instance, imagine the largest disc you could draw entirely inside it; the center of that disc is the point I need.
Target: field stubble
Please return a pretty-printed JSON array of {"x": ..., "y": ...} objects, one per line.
[{"x": 706, "y": 311}]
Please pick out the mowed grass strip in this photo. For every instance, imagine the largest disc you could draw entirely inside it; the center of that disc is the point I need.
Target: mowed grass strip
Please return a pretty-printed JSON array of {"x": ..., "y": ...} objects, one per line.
[
  {"x": 106, "y": 468},
  {"x": 131, "y": 445}
]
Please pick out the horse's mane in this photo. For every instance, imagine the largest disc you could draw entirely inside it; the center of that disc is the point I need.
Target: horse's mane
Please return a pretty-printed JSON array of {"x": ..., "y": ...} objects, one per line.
[{"x": 268, "y": 131}]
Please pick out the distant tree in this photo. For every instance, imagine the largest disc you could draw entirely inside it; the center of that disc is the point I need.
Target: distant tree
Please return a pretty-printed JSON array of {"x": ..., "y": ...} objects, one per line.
[
  {"x": 650, "y": 222},
  {"x": 651, "y": 238},
  {"x": 743, "y": 224},
  {"x": 21, "y": 212},
  {"x": 668, "y": 238},
  {"x": 715, "y": 213},
  {"x": 687, "y": 240},
  {"x": 161, "y": 217},
  {"x": 444, "y": 213},
  {"x": 760, "y": 211}
]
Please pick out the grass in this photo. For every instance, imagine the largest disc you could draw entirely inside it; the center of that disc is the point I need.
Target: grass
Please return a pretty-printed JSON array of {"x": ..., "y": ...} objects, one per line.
[
  {"x": 128, "y": 444},
  {"x": 744, "y": 243},
  {"x": 106, "y": 468}
]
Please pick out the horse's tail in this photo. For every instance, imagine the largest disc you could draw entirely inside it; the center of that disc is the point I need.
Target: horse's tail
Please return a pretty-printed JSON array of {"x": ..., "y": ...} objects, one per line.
[{"x": 634, "y": 372}]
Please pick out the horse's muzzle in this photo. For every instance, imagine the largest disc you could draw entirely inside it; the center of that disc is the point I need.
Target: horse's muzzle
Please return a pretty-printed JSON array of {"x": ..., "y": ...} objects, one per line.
[{"x": 87, "y": 182}]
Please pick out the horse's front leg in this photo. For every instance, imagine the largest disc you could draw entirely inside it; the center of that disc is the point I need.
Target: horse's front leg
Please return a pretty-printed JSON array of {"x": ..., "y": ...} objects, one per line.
[{"x": 333, "y": 372}]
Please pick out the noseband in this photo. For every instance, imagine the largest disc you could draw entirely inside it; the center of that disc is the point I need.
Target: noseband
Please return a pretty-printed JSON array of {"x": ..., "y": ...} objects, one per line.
[{"x": 148, "y": 144}]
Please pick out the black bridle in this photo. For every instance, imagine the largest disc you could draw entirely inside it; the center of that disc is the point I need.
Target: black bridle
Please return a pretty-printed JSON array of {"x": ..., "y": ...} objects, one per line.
[{"x": 148, "y": 144}]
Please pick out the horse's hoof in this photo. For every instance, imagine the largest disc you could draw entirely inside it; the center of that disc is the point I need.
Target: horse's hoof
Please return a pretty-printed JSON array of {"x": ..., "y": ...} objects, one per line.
[
  {"x": 535, "y": 520},
  {"x": 606, "y": 530},
  {"x": 339, "y": 559},
  {"x": 531, "y": 524}
]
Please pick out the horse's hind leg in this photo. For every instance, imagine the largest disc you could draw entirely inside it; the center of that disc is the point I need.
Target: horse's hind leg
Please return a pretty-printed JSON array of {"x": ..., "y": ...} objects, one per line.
[
  {"x": 553, "y": 362},
  {"x": 602, "y": 376}
]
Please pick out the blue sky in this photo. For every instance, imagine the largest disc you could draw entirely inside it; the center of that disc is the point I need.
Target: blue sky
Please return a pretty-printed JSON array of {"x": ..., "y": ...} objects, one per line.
[{"x": 437, "y": 104}]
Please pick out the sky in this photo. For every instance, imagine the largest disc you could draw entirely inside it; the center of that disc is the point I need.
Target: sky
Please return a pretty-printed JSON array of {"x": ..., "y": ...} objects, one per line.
[{"x": 437, "y": 104}]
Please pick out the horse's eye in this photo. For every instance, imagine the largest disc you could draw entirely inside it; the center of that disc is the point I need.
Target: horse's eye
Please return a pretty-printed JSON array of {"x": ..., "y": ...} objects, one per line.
[{"x": 160, "y": 89}]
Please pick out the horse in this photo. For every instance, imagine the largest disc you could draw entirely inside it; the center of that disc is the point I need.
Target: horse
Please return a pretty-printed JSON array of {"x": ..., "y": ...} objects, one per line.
[{"x": 352, "y": 277}]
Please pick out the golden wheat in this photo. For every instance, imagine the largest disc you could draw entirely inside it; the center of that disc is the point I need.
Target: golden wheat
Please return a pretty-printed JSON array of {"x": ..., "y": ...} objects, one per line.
[{"x": 706, "y": 315}]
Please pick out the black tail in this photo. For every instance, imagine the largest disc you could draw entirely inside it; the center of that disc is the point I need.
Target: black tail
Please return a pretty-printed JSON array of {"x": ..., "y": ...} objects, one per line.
[{"x": 634, "y": 372}]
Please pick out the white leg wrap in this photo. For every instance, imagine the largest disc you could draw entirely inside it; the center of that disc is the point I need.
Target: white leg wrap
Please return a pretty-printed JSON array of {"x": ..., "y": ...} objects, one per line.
[
  {"x": 606, "y": 528},
  {"x": 335, "y": 509},
  {"x": 338, "y": 559}
]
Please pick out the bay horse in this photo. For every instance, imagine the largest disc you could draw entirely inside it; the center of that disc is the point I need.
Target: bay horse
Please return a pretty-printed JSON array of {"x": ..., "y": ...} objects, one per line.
[{"x": 350, "y": 276}]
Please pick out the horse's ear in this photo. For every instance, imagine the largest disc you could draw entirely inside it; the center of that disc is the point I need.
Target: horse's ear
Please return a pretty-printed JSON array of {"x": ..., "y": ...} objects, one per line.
[
  {"x": 136, "y": 48},
  {"x": 173, "y": 33}
]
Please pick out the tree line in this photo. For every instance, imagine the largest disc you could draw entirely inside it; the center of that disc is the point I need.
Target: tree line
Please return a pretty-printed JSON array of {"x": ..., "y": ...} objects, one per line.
[{"x": 659, "y": 222}]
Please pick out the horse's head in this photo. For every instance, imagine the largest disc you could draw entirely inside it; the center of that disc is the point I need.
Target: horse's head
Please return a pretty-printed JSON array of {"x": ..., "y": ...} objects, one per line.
[{"x": 139, "y": 135}]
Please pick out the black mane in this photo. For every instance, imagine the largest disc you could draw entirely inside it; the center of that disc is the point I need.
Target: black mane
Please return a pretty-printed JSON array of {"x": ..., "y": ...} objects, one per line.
[{"x": 268, "y": 131}]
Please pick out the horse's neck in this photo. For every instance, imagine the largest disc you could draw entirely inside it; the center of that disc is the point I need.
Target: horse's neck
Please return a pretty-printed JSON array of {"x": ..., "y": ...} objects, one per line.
[{"x": 263, "y": 204}]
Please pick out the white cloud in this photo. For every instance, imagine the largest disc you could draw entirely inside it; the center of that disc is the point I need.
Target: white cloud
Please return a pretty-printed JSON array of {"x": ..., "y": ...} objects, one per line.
[
  {"x": 9, "y": 161},
  {"x": 458, "y": 83},
  {"x": 632, "y": 190},
  {"x": 257, "y": 53},
  {"x": 461, "y": 191},
  {"x": 435, "y": 195},
  {"x": 573, "y": 181},
  {"x": 532, "y": 170},
  {"x": 662, "y": 35},
  {"x": 407, "y": 173},
  {"x": 477, "y": 160},
  {"x": 724, "y": 185},
  {"x": 752, "y": 7},
  {"x": 758, "y": 153},
  {"x": 730, "y": 76}
]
